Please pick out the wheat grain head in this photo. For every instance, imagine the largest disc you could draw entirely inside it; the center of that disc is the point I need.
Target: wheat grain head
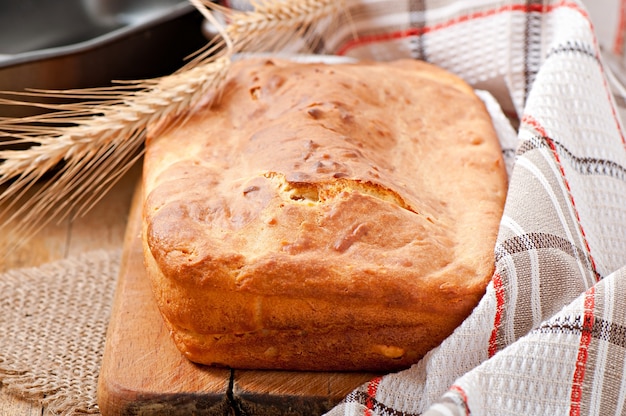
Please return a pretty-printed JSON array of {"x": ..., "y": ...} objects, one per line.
[
  {"x": 295, "y": 26},
  {"x": 91, "y": 144}
]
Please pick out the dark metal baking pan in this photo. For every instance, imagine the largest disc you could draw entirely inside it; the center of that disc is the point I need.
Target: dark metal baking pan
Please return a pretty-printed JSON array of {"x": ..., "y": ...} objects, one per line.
[{"x": 68, "y": 44}]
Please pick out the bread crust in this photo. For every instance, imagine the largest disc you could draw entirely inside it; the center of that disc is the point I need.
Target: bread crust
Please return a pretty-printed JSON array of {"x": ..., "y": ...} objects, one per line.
[{"x": 323, "y": 217}]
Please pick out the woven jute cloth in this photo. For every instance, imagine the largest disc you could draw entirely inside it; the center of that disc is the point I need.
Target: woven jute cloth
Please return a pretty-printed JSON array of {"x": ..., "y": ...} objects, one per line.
[
  {"x": 549, "y": 336},
  {"x": 53, "y": 322}
]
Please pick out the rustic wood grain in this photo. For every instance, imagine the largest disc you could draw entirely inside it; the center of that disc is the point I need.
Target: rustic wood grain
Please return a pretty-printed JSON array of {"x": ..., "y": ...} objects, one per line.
[
  {"x": 47, "y": 245},
  {"x": 104, "y": 226},
  {"x": 12, "y": 405},
  {"x": 267, "y": 393}
]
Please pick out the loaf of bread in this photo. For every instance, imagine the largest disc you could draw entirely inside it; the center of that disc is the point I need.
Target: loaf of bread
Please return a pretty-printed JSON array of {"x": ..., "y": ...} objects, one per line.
[{"x": 323, "y": 217}]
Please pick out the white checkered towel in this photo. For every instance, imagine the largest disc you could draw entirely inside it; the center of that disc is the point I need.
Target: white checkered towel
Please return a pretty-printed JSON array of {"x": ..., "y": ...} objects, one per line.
[{"x": 549, "y": 337}]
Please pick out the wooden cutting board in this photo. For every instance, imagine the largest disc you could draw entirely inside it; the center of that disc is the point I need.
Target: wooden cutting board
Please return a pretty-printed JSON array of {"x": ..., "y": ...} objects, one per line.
[{"x": 143, "y": 373}]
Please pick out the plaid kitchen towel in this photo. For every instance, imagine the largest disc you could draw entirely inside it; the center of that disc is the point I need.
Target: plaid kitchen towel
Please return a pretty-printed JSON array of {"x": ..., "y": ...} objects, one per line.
[{"x": 549, "y": 336}]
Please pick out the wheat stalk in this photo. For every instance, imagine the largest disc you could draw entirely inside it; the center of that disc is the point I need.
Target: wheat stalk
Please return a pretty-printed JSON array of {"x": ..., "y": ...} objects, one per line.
[
  {"x": 106, "y": 123},
  {"x": 93, "y": 142},
  {"x": 100, "y": 143}
]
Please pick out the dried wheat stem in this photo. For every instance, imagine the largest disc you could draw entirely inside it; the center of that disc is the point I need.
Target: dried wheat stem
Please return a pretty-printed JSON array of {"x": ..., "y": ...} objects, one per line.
[
  {"x": 169, "y": 98},
  {"x": 96, "y": 150}
]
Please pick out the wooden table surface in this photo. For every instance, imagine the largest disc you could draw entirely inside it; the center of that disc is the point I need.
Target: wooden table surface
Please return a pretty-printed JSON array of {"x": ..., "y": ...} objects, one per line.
[{"x": 102, "y": 228}]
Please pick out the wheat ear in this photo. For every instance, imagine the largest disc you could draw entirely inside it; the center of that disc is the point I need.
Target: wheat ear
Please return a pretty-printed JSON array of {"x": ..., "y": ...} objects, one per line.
[
  {"x": 277, "y": 25},
  {"x": 101, "y": 142},
  {"x": 88, "y": 145}
]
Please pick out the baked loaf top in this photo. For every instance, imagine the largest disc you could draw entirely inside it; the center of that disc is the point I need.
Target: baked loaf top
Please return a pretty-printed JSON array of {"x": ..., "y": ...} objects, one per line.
[{"x": 349, "y": 184}]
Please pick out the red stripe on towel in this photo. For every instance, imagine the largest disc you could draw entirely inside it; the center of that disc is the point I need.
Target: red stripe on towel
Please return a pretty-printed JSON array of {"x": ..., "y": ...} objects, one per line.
[
  {"x": 372, "y": 388},
  {"x": 459, "y": 390},
  {"x": 583, "y": 353},
  {"x": 499, "y": 289},
  {"x": 535, "y": 124},
  {"x": 618, "y": 44},
  {"x": 384, "y": 37}
]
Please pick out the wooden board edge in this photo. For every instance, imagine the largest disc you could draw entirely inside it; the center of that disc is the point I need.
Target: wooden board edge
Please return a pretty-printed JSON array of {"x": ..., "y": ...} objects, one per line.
[{"x": 117, "y": 399}]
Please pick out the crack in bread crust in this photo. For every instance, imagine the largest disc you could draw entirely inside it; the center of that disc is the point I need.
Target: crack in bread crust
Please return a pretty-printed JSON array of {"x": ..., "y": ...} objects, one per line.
[{"x": 323, "y": 191}]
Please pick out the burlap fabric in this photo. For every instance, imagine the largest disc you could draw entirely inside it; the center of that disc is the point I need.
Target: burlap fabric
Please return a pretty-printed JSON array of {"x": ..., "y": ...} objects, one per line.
[
  {"x": 53, "y": 322},
  {"x": 549, "y": 337}
]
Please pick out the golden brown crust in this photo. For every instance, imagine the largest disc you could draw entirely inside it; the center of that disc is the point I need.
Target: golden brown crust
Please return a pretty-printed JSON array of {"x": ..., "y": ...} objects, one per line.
[{"x": 324, "y": 217}]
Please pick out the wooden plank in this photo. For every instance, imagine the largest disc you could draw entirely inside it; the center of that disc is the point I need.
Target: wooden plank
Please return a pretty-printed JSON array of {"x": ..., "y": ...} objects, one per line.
[
  {"x": 47, "y": 245},
  {"x": 268, "y": 393},
  {"x": 104, "y": 225},
  {"x": 11, "y": 404},
  {"x": 142, "y": 371}
]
